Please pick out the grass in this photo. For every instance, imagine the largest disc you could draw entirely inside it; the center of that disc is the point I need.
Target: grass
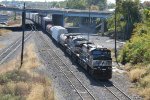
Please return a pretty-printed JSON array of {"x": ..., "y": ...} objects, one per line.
[
  {"x": 4, "y": 32},
  {"x": 24, "y": 84},
  {"x": 136, "y": 74},
  {"x": 140, "y": 75}
]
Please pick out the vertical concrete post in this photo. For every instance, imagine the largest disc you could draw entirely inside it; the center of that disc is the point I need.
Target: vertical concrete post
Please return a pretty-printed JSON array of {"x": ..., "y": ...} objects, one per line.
[
  {"x": 58, "y": 19},
  {"x": 102, "y": 27}
]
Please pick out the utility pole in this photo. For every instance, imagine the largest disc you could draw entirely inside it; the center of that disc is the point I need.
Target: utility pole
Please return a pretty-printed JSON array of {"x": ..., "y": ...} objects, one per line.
[
  {"x": 89, "y": 20},
  {"x": 116, "y": 31},
  {"x": 23, "y": 30}
]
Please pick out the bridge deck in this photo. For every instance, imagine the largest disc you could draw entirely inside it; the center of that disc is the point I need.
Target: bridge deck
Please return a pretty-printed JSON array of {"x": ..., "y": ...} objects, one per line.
[{"x": 65, "y": 12}]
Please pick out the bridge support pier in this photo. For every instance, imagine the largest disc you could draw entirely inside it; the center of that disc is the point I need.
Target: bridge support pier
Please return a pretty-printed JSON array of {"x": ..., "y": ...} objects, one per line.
[
  {"x": 103, "y": 26},
  {"x": 58, "y": 19},
  {"x": 88, "y": 25}
]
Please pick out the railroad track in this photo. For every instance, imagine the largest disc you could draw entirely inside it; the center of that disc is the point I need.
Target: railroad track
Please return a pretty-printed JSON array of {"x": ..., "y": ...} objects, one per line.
[
  {"x": 81, "y": 90},
  {"x": 5, "y": 54},
  {"x": 78, "y": 86},
  {"x": 115, "y": 91}
]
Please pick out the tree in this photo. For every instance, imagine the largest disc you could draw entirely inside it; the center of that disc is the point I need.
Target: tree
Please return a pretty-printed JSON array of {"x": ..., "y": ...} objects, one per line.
[
  {"x": 100, "y": 3},
  {"x": 131, "y": 13},
  {"x": 128, "y": 13},
  {"x": 76, "y": 4},
  {"x": 85, "y": 4}
]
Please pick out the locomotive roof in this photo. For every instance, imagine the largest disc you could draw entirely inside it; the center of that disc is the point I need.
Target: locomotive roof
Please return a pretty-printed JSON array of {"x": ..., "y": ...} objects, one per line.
[
  {"x": 93, "y": 47},
  {"x": 58, "y": 27},
  {"x": 72, "y": 34},
  {"x": 79, "y": 38},
  {"x": 47, "y": 18}
]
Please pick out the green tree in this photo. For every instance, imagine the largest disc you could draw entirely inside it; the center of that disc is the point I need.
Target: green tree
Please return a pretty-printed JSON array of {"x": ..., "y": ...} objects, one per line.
[
  {"x": 85, "y": 4},
  {"x": 55, "y": 4},
  {"x": 137, "y": 50},
  {"x": 130, "y": 12},
  {"x": 100, "y": 3},
  {"x": 76, "y": 4}
]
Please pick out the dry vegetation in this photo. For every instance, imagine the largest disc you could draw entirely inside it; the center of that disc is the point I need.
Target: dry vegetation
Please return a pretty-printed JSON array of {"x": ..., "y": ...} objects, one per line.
[
  {"x": 140, "y": 75},
  {"x": 4, "y": 32},
  {"x": 13, "y": 22},
  {"x": 1, "y": 46},
  {"x": 24, "y": 83}
]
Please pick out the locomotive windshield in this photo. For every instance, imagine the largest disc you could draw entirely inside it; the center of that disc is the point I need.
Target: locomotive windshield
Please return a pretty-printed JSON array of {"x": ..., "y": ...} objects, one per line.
[{"x": 101, "y": 54}]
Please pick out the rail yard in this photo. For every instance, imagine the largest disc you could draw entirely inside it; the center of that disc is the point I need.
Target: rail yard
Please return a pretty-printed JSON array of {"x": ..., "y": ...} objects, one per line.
[
  {"x": 69, "y": 79},
  {"x": 74, "y": 50}
]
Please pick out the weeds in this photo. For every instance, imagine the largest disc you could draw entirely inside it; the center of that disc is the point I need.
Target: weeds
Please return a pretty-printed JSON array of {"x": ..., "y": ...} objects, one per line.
[
  {"x": 4, "y": 32},
  {"x": 24, "y": 83}
]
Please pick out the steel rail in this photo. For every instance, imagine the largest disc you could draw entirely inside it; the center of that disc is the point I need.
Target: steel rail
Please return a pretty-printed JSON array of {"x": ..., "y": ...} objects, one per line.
[
  {"x": 7, "y": 54},
  {"x": 126, "y": 96},
  {"x": 71, "y": 73},
  {"x": 10, "y": 46},
  {"x": 4, "y": 58}
]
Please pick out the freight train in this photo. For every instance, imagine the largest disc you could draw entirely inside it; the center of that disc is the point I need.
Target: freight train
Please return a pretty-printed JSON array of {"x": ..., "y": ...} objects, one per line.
[{"x": 96, "y": 60}]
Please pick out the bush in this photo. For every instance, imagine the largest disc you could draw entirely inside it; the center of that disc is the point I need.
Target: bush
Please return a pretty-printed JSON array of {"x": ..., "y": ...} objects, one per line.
[
  {"x": 9, "y": 97},
  {"x": 136, "y": 74},
  {"x": 145, "y": 82},
  {"x": 137, "y": 50},
  {"x": 14, "y": 75}
]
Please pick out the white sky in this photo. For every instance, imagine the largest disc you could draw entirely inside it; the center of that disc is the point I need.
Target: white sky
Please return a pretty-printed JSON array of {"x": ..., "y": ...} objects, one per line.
[{"x": 109, "y": 1}]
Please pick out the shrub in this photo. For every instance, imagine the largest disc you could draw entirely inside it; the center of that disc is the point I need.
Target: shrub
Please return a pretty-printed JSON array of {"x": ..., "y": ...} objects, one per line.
[
  {"x": 136, "y": 74},
  {"x": 145, "y": 93},
  {"x": 137, "y": 50},
  {"x": 9, "y": 97},
  {"x": 145, "y": 82}
]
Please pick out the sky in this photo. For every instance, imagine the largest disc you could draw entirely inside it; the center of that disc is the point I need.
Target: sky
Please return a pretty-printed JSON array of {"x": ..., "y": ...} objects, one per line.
[{"x": 109, "y": 1}]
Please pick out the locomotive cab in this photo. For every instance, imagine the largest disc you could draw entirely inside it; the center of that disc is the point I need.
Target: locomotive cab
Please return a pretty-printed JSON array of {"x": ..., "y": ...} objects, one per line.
[{"x": 98, "y": 60}]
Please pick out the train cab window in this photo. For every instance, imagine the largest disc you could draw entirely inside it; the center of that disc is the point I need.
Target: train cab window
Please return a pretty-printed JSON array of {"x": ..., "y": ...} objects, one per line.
[{"x": 101, "y": 54}]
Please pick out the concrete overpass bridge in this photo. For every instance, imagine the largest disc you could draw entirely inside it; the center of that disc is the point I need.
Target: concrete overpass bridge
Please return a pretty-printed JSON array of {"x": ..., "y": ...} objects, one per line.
[
  {"x": 58, "y": 14},
  {"x": 64, "y": 12}
]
